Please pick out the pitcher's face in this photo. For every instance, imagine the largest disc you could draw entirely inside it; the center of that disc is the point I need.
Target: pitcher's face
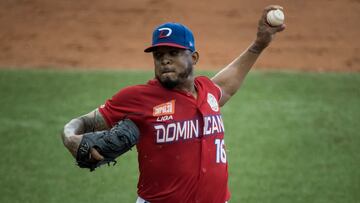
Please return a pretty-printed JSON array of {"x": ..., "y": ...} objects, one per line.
[{"x": 173, "y": 66}]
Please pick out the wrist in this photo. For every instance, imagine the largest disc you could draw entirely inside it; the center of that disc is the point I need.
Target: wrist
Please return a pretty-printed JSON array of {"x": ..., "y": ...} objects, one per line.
[
  {"x": 257, "y": 47},
  {"x": 72, "y": 143},
  {"x": 66, "y": 139}
]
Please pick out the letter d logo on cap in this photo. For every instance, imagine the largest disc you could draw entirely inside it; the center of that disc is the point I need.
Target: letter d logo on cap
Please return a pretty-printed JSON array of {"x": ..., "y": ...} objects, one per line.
[
  {"x": 172, "y": 35},
  {"x": 164, "y": 32}
]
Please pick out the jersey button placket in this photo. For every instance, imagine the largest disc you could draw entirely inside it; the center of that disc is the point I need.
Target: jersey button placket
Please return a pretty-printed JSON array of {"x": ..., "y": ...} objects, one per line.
[
  {"x": 202, "y": 147},
  {"x": 203, "y": 156}
]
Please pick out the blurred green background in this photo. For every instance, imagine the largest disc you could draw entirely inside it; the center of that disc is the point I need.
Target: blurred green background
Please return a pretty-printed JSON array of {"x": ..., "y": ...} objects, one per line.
[{"x": 291, "y": 137}]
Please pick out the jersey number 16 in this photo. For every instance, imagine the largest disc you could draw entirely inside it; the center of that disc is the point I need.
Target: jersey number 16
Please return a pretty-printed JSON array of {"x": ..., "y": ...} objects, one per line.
[{"x": 220, "y": 151}]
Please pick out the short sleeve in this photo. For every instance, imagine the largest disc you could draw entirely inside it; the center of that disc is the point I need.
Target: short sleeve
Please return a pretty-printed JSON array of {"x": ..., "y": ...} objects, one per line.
[
  {"x": 211, "y": 86},
  {"x": 122, "y": 104},
  {"x": 219, "y": 90}
]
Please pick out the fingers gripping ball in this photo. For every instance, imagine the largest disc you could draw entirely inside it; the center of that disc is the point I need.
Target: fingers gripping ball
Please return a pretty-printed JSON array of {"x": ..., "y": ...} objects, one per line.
[
  {"x": 110, "y": 144},
  {"x": 275, "y": 17}
]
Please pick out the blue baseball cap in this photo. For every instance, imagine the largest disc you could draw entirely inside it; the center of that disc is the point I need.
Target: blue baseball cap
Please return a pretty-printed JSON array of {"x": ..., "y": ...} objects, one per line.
[{"x": 172, "y": 35}]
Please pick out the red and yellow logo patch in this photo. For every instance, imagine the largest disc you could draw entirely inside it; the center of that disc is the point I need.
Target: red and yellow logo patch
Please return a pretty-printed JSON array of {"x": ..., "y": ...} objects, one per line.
[{"x": 167, "y": 108}]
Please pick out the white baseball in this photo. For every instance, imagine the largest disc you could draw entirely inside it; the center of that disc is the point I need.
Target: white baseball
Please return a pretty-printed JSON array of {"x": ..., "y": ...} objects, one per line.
[{"x": 275, "y": 17}]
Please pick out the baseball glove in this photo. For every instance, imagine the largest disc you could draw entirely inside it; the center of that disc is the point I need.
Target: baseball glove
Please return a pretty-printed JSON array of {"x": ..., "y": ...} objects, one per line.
[{"x": 109, "y": 143}]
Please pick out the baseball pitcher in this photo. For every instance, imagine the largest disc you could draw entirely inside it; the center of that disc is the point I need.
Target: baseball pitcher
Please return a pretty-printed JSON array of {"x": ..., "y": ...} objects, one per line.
[{"x": 174, "y": 120}]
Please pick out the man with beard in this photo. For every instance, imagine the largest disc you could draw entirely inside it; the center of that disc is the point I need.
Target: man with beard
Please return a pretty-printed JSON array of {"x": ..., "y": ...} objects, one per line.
[{"x": 181, "y": 150}]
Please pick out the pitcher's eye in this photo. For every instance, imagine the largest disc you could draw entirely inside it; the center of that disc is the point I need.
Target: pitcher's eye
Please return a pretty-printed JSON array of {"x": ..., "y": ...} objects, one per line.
[
  {"x": 174, "y": 52},
  {"x": 157, "y": 54}
]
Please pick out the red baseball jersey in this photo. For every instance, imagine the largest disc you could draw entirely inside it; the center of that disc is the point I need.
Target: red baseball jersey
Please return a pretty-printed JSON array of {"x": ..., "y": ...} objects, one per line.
[{"x": 181, "y": 151}]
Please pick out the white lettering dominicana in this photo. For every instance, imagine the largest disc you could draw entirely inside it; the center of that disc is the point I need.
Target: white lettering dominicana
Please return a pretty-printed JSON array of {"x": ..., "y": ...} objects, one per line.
[{"x": 189, "y": 129}]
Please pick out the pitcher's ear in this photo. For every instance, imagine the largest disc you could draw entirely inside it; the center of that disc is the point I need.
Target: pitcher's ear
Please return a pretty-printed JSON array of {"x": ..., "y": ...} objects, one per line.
[{"x": 195, "y": 57}]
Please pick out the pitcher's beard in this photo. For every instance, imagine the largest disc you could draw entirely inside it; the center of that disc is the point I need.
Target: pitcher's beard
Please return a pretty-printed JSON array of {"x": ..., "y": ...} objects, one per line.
[{"x": 169, "y": 83}]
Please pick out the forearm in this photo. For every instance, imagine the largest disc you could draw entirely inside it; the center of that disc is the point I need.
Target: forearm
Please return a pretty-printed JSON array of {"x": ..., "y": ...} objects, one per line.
[
  {"x": 231, "y": 77},
  {"x": 239, "y": 67},
  {"x": 73, "y": 130},
  {"x": 74, "y": 127},
  {"x": 242, "y": 64}
]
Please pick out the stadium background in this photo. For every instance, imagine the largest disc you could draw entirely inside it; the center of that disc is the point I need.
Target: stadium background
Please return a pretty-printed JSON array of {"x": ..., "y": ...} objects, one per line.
[{"x": 321, "y": 35}]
